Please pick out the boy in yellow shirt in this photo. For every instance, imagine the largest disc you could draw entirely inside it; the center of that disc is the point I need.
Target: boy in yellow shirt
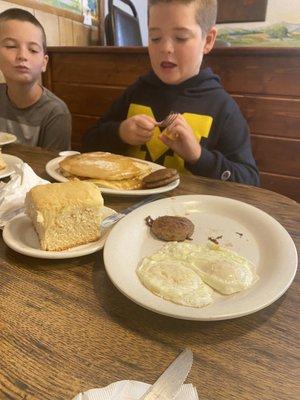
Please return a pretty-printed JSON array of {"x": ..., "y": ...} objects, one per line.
[{"x": 209, "y": 137}]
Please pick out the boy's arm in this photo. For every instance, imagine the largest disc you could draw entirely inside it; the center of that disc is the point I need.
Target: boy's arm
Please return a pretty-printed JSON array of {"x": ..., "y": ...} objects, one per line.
[
  {"x": 104, "y": 136},
  {"x": 232, "y": 157},
  {"x": 56, "y": 133}
]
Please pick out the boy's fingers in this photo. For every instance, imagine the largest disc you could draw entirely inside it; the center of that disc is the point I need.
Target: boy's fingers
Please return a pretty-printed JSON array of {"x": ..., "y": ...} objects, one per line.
[
  {"x": 168, "y": 139},
  {"x": 165, "y": 140},
  {"x": 179, "y": 121},
  {"x": 148, "y": 126},
  {"x": 174, "y": 132},
  {"x": 173, "y": 128},
  {"x": 144, "y": 132},
  {"x": 144, "y": 121}
]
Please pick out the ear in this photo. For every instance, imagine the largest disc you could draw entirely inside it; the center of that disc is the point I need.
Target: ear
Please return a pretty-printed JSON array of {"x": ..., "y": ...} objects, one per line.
[
  {"x": 210, "y": 40},
  {"x": 45, "y": 62}
]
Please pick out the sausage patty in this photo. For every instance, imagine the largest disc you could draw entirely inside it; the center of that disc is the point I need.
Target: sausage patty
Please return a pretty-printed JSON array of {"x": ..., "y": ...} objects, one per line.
[{"x": 171, "y": 228}]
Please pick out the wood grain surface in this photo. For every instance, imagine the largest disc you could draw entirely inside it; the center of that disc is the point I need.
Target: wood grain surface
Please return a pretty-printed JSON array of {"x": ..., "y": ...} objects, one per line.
[{"x": 64, "y": 327}]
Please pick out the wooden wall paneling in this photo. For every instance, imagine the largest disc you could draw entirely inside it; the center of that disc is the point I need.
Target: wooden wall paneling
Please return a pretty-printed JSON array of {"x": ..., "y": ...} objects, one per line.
[
  {"x": 103, "y": 69},
  {"x": 94, "y": 36},
  {"x": 264, "y": 74},
  {"x": 271, "y": 116},
  {"x": 89, "y": 100},
  {"x": 47, "y": 75},
  {"x": 6, "y": 4},
  {"x": 277, "y": 155},
  {"x": 65, "y": 31},
  {"x": 81, "y": 34},
  {"x": 57, "y": 22},
  {"x": 50, "y": 24}
]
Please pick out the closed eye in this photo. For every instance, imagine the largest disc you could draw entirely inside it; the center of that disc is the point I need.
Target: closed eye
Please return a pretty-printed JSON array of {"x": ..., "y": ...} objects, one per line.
[
  {"x": 155, "y": 39},
  {"x": 181, "y": 39}
]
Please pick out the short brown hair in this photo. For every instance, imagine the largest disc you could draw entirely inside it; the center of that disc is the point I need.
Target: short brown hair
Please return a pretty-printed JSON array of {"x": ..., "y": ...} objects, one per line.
[
  {"x": 23, "y": 15},
  {"x": 206, "y": 14}
]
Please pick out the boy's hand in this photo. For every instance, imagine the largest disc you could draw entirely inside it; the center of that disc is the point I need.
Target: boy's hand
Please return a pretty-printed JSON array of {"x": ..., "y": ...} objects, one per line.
[
  {"x": 180, "y": 138},
  {"x": 137, "y": 129}
]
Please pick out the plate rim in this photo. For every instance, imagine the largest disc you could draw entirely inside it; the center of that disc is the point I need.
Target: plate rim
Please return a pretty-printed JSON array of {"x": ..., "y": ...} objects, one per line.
[
  {"x": 116, "y": 192},
  {"x": 222, "y": 316},
  {"x": 12, "y": 140},
  {"x": 14, "y": 160},
  {"x": 91, "y": 248}
]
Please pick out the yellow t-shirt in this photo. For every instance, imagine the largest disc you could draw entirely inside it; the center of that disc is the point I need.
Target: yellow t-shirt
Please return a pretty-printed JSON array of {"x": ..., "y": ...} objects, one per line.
[{"x": 156, "y": 149}]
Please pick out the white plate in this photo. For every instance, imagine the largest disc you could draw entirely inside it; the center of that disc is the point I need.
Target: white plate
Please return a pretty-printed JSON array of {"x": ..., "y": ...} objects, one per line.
[
  {"x": 11, "y": 162},
  {"x": 6, "y": 138},
  {"x": 52, "y": 168},
  {"x": 19, "y": 235},
  {"x": 67, "y": 153},
  {"x": 245, "y": 229}
]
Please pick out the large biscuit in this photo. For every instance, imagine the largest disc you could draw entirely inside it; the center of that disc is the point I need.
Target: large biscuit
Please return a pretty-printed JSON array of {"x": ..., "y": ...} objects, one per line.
[
  {"x": 160, "y": 177},
  {"x": 100, "y": 165}
]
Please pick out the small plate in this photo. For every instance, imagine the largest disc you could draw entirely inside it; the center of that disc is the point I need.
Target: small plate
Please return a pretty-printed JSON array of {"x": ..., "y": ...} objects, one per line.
[
  {"x": 19, "y": 235},
  {"x": 52, "y": 168},
  {"x": 67, "y": 153},
  {"x": 11, "y": 162},
  {"x": 6, "y": 138},
  {"x": 241, "y": 227}
]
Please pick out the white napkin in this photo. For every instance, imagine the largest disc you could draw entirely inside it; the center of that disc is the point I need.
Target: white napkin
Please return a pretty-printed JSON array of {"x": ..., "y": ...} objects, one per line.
[
  {"x": 12, "y": 193},
  {"x": 131, "y": 390}
]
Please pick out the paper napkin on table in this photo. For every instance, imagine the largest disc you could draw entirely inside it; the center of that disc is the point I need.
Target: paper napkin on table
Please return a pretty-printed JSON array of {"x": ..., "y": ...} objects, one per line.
[
  {"x": 131, "y": 390},
  {"x": 12, "y": 193}
]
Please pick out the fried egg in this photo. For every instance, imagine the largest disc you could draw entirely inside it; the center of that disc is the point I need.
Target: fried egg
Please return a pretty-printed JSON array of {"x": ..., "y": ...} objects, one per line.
[
  {"x": 173, "y": 280},
  {"x": 187, "y": 273},
  {"x": 223, "y": 269}
]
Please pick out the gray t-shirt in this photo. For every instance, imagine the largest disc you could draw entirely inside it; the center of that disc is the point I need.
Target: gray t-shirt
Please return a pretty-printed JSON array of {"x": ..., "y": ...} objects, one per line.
[{"x": 47, "y": 123}]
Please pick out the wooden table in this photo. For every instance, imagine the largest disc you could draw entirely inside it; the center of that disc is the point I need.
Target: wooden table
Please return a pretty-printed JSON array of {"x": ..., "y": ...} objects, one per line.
[{"x": 65, "y": 328}]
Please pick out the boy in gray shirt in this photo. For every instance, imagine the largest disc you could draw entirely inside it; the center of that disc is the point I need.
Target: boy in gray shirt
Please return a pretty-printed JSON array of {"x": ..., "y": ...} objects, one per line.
[{"x": 28, "y": 110}]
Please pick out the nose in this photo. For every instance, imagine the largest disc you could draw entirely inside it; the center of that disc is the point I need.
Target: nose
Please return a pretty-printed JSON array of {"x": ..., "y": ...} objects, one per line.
[
  {"x": 22, "y": 54},
  {"x": 167, "y": 46}
]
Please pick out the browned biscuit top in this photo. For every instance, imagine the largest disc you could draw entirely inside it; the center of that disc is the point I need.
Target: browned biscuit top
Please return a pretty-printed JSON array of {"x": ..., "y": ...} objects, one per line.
[{"x": 160, "y": 174}]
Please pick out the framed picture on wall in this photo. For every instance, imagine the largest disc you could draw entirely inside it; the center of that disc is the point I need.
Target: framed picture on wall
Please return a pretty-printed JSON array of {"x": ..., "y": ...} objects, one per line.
[{"x": 241, "y": 10}]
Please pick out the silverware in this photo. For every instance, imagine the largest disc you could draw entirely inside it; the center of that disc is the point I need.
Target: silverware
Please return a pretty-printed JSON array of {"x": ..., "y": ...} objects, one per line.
[
  {"x": 168, "y": 120},
  {"x": 169, "y": 383},
  {"x": 111, "y": 219}
]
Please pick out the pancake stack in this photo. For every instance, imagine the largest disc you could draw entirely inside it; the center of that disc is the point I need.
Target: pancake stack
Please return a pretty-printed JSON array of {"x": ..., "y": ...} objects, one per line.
[
  {"x": 2, "y": 162},
  {"x": 105, "y": 170}
]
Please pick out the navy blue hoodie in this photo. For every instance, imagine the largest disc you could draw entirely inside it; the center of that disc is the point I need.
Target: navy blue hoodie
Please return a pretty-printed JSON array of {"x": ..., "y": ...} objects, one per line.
[{"x": 211, "y": 112}]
